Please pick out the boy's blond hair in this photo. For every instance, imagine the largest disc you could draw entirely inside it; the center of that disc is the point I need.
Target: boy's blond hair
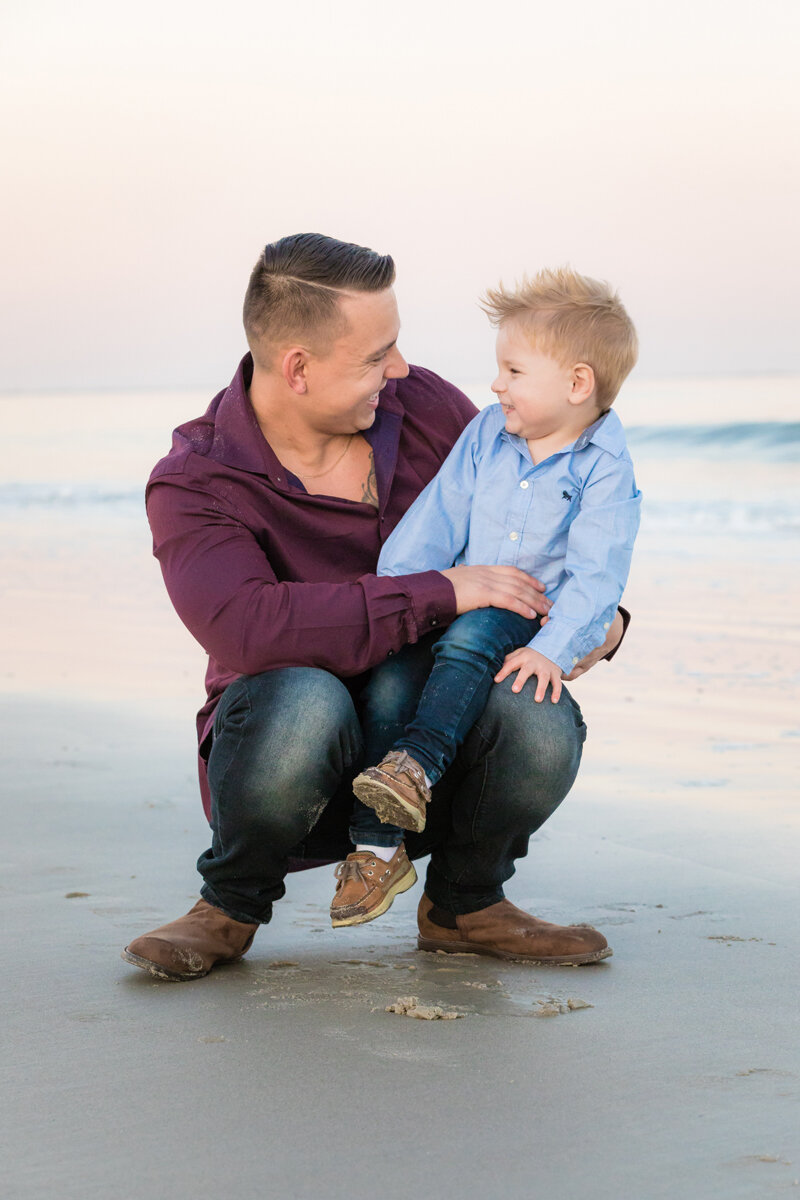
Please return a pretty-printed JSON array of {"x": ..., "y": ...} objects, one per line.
[{"x": 573, "y": 319}]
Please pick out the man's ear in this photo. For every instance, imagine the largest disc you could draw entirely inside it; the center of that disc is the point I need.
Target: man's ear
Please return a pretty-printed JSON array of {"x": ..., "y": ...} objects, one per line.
[
  {"x": 294, "y": 369},
  {"x": 583, "y": 383}
]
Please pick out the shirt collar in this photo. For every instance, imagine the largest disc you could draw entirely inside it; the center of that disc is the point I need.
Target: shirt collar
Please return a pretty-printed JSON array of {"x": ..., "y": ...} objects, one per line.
[
  {"x": 239, "y": 443},
  {"x": 606, "y": 432}
]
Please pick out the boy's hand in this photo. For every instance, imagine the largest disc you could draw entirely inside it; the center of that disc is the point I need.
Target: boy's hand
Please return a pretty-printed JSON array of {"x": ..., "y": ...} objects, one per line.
[{"x": 527, "y": 662}]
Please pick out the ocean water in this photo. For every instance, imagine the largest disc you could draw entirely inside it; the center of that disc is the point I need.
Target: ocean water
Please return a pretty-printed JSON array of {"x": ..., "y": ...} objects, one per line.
[{"x": 715, "y": 459}]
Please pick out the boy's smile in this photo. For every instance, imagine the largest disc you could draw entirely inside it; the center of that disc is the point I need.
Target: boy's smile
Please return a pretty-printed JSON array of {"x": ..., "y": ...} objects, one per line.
[{"x": 539, "y": 397}]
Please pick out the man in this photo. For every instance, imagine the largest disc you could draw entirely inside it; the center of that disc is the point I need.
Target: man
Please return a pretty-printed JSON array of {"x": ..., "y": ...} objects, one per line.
[{"x": 268, "y": 516}]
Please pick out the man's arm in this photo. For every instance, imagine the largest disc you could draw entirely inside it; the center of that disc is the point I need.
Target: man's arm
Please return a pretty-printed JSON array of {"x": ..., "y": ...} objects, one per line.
[{"x": 224, "y": 590}]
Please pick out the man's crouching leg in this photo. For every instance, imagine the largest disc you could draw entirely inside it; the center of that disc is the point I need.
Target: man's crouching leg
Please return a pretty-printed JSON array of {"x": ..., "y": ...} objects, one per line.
[
  {"x": 514, "y": 769},
  {"x": 283, "y": 741}
]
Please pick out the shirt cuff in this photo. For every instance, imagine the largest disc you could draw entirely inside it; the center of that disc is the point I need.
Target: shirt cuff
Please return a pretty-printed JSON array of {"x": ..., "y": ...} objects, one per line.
[
  {"x": 626, "y": 620},
  {"x": 433, "y": 603}
]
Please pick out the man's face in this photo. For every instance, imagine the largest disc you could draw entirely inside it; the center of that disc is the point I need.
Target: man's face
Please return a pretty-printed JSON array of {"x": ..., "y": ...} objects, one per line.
[
  {"x": 533, "y": 388},
  {"x": 343, "y": 386}
]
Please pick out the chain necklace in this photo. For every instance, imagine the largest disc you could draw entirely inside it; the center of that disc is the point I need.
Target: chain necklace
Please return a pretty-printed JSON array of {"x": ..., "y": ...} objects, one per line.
[{"x": 327, "y": 471}]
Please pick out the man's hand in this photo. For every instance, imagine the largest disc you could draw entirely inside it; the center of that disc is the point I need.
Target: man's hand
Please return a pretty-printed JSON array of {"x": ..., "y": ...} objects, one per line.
[
  {"x": 612, "y": 640},
  {"x": 527, "y": 662},
  {"x": 498, "y": 587}
]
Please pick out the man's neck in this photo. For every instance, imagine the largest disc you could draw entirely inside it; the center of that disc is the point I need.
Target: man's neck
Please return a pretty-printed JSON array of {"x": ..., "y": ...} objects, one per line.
[{"x": 290, "y": 436}]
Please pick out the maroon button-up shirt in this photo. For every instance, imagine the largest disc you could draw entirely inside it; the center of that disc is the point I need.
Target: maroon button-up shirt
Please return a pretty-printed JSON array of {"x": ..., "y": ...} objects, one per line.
[{"x": 265, "y": 575}]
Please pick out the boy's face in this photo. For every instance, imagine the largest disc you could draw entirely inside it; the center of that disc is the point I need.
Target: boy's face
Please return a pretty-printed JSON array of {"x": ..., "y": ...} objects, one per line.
[{"x": 535, "y": 392}]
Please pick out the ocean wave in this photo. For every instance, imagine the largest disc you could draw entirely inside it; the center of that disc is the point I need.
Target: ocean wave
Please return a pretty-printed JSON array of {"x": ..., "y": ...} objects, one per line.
[
  {"x": 720, "y": 517},
  {"x": 685, "y": 515},
  {"x": 70, "y": 496},
  {"x": 765, "y": 441}
]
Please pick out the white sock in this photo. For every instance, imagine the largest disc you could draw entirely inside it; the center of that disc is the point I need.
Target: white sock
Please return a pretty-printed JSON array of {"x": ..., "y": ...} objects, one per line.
[{"x": 384, "y": 853}]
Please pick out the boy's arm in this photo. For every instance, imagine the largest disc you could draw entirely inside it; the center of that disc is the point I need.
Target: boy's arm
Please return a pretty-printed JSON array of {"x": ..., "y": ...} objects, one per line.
[
  {"x": 599, "y": 548},
  {"x": 435, "y": 529}
]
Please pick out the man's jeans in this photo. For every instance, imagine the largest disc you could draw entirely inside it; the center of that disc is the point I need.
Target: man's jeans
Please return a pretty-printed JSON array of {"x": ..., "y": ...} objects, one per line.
[
  {"x": 467, "y": 657},
  {"x": 288, "y": 743}
]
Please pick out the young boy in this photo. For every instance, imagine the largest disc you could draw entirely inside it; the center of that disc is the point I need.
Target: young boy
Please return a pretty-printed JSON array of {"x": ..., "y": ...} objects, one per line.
[{"x": 541, "y": 481}]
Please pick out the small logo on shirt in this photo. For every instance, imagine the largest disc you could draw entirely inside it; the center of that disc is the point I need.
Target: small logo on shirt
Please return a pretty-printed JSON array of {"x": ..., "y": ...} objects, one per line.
[{"x": 565, "y": 495}]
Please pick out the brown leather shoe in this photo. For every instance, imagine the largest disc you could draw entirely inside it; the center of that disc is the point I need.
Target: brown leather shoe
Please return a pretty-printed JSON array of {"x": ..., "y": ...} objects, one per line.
[
  {"x": 189, "y": 947},
  {"x": 504, "y": 931},
  {"x": 396, "y": 790},
  {"x": 367, "y": 886}
]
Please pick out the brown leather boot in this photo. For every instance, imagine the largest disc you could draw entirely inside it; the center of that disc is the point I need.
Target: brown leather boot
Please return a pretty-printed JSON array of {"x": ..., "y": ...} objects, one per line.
[
  {"x": 504, "y": 931},
  {"x": 189, "y": 947}
]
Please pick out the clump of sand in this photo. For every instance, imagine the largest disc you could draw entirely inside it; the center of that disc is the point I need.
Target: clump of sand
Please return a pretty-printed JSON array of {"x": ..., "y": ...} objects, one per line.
[
  {"x": 409, "y": 1006},
  {"x": 554, "y": 1008}
]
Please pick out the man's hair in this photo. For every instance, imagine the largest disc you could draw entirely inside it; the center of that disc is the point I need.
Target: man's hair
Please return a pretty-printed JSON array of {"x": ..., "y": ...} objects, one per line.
[
  {"x": 296, "y": 285},
  {"x": 572, "y": 319}
]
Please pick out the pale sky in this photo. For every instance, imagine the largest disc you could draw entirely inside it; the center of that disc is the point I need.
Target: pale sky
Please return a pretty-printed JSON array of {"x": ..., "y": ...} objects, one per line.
[{"x": 150, "y": 151}]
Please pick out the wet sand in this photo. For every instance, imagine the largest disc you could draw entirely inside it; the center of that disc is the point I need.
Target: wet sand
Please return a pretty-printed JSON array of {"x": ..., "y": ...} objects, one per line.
[{"x": 280, "y": 1076}]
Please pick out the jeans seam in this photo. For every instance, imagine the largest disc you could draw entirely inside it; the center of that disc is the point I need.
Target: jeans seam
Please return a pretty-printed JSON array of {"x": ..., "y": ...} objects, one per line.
[
  {"x": 474, "y": 821},
  {"x": 232, "y": 757}
]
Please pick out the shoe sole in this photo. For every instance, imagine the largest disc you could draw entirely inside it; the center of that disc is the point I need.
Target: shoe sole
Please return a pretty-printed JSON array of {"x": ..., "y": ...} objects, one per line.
[
  {"x": 158, "y": 972},
  {"x": 387, "y": 804},
  {"x": 561, "y": 960},
  {"x": 403, "y": 884}
]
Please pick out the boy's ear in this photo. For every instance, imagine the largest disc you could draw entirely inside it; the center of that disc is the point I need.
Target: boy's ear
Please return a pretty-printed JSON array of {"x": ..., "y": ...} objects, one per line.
[{"x": 583, "y": 383}]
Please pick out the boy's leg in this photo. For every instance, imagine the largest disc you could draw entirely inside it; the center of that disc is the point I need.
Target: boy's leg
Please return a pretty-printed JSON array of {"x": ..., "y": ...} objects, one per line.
[
  {"x": 467, "y": 657},
  {"x": 385, "y": 706}
]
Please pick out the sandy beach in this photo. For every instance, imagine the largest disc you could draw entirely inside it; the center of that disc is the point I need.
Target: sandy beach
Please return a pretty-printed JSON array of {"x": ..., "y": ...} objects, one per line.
[{"x": 680, "y": 840}]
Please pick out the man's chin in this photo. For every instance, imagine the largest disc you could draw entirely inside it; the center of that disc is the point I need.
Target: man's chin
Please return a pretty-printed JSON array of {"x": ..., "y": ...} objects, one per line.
[{"x": 366, "y": 419}]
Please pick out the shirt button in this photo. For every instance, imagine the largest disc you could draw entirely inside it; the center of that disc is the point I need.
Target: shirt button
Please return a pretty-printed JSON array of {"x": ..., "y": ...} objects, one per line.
[
  {"x": 606, "y": 625},
  {"x": 524, "y": 484},
  {"x": 574, "y": 662},
  {"x": 434, "y": 620},
  {"x": 514, "y": 536}
]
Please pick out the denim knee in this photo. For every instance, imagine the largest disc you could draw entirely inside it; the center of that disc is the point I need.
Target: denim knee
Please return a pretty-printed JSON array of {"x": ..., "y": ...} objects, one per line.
[
  {"x": 490, "y": 633},
  {"x": 537, "y": 748},
  {"x": 282, "y": 741}
]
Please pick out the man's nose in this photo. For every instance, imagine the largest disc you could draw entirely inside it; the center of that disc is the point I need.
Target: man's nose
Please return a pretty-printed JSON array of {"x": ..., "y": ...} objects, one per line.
[
  {"x": 395, "y": 366},
  {"x": 497, "y": 386}
]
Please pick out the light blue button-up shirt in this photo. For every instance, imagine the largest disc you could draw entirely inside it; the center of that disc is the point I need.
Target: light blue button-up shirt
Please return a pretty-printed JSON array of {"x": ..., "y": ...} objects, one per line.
[{"x": 570, "y": 521}]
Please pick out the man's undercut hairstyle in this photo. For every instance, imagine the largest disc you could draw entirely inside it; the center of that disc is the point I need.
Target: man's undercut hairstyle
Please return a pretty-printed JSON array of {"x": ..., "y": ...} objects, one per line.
[
  {"x": 296, "y": 286},
  {"x": 573, "y": 319}
]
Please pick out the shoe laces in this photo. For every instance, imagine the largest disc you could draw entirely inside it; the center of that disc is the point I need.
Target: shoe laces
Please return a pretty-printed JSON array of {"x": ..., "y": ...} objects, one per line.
[
  {"x": 401, "y": 760},
  {"x": 356, "y": 868}
]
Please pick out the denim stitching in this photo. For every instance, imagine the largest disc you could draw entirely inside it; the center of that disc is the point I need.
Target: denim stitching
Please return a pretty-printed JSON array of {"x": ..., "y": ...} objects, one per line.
[{"x": 232, "y": 757}]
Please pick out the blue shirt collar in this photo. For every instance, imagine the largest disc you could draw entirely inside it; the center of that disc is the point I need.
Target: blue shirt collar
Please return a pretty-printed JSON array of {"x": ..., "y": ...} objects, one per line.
[{"x": 606, "y": 432}]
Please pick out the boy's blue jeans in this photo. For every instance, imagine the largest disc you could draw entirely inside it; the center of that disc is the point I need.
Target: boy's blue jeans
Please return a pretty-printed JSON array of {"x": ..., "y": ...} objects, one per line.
[
  {"x": 288, "y": 743},
  {"x": 466, "y": 658}
]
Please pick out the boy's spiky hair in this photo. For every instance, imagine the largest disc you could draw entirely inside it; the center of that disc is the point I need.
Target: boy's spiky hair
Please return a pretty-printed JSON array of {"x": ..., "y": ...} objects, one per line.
[{"x": 573, "y": 319}]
